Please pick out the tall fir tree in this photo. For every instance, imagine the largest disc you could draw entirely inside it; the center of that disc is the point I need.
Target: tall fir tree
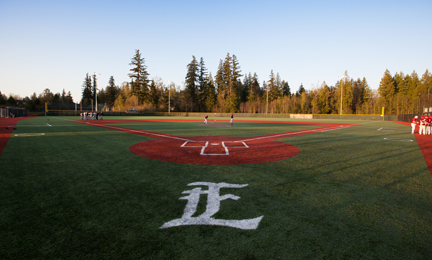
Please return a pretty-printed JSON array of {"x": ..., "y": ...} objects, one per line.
[
  {"x": 112, "y": 91},
  {"x": 286, "y": 90},
  {"x": 139, "y": 77},
  {"x": 300, "y": 90},
  {"x": 210, "y": 94},
  {"x": 191, "y": 81},
  {"x": 154, "y": 95},
  {"x": 387, "y": 91},
  {"x": 202, "y": 84},
  {"x": 87, "y": 91},
  {"x": 273, "y": 87}
]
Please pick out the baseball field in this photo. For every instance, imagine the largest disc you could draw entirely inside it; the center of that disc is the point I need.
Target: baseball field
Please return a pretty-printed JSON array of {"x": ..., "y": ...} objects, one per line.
[{"x": 175, "y": 188}]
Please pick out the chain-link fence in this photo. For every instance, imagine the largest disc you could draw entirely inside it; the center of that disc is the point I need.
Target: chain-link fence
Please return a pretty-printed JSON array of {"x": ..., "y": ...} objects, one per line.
[{"x": 13, "y": 112}]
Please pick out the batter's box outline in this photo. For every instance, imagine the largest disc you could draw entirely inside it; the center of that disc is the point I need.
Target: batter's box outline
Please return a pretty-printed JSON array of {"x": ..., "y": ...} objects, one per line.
[{"x": 205, "y": 144}]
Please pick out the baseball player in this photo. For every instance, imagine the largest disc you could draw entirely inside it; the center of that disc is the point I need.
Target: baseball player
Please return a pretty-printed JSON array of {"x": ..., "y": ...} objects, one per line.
[
  {"x": 429, "y": 128},
  {"x": 428, "y": 120},
  {"x": 205, "y": 119},
  {"x": 413, "y": 124},
  {"x": 232, "y": 119},
  {"x": 422, "y": 125}
]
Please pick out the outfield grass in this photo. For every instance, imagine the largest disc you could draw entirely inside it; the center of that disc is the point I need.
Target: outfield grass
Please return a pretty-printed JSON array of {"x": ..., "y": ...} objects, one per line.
[{"x": 77, "y": 192}]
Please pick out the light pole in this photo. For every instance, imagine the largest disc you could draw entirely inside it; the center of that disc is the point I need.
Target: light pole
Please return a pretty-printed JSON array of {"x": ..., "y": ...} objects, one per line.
[
  {"x": 419, "y": 104},
  {"x": 267, "y": 98},
  {"x": 169, "y": 96},
  {"x": 340, "y": 83}
]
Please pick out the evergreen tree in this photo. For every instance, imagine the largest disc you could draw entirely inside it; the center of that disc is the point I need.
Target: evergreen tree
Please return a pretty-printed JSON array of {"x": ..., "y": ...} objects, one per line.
[
  {"x": 154, "y": 95},
  {"x": 139, "y": 77},
  {"x": 323, "y": 99},
  {"x": 3, "y": 99},
  {"x": 87, "y": 91},
  {"x": 300, "y": 90},
  {"x": 219, "y": 81},
  {"x": 233, "y": 100},
  {"x": 286, "y": 91},
  {"x": 304, "y": 103},
  {"x": 273, "y": 88},
  {"x": 387, "y": 90},
  {"x": 11, "y": 101},
  {"x": 111, "y": 91},
  {"x": 191, "y": 80},
  {"x": 210, "y": 96},
  {"x": 426, "y": 81},
  {"x": 241, "y": 91},
  {"x": 202, "y": 84},
  {"x": 365, "y": 91},
  {"x": 399, "y": 80},
  {"x": 227, "y": 75}
]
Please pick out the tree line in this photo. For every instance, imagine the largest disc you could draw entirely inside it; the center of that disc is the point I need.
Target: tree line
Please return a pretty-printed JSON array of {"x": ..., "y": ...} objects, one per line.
[
  {"x": 62, "y": 101},
  {"x": 231, "y": 91}
]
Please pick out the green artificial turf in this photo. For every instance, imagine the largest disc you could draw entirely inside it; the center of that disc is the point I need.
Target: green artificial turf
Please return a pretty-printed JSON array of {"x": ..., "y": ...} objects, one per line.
[{"x": 77, "y": 192}]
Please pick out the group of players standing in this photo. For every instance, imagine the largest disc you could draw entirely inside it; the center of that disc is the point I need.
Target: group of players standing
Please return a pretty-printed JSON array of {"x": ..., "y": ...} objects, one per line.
[
  {"x": 91, "y": 116},
  {"x": 424, "y": 123}
]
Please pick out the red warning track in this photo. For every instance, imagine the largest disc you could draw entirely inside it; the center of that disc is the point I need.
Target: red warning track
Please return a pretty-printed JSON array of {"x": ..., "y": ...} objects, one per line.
[
  {"x": 6, "y": 129},
  {"x": 211, "y": 150},
  {"x": 425, "y": 144}
]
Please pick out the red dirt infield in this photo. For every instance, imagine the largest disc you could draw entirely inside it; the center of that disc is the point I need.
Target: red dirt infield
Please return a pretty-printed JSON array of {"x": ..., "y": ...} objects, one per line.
[
  {"x": 6, "y": 129},
  {"x": 211, "y": 150},
  {"x": 425, "y": 144}
]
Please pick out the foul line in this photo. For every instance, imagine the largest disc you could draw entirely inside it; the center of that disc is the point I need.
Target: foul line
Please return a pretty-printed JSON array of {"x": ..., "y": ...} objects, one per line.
[{"x": 277, "y": 136}]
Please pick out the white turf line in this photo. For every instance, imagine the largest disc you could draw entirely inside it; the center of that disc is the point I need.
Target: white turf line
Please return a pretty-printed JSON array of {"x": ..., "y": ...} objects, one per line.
[{"x": 30, "y": 134}]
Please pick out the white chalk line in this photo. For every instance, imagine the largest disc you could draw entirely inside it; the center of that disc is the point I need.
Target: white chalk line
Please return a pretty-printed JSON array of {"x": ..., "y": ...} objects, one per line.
[
  {"x": 278, "y": 136},
  {"x": 30, "y": 134},
  {"x": 137, "y": 131}
]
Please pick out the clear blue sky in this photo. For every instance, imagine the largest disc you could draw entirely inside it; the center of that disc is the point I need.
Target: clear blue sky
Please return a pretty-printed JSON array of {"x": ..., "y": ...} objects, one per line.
[{"x": 53, "y": 44}]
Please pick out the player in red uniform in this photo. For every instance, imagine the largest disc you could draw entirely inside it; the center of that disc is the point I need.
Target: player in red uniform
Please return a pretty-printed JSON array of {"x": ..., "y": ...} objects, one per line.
[
  {"x": 232, "y": 119},
  {"x": 413, "y": 124},
  {"x": 205, "y": 119}
]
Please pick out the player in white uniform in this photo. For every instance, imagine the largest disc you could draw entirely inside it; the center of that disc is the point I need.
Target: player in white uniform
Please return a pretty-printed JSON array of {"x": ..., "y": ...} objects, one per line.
[
  {"x": 205, "y": 119},
  {"x": 429, "y": 128},
  {"x": 232, "y": 119},
  {"x": 413, "y": 124},
  {"x": 422, "y": 126}
]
